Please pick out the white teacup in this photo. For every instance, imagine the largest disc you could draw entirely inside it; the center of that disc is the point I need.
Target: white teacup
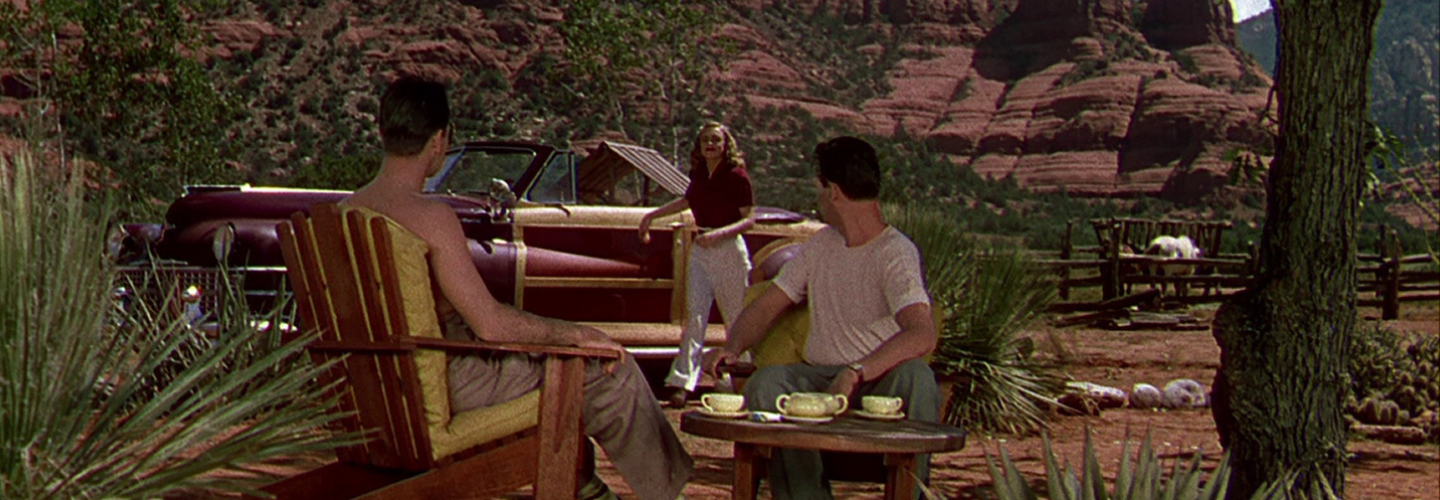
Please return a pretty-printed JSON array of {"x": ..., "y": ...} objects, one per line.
[
  {"x": 721, "y": 402},
  {"x": 811, "y": 404},
  {"x": 882, "y": 405}
]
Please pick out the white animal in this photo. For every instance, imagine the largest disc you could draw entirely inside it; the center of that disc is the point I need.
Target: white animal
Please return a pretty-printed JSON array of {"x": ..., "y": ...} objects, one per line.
[{"x": 1171, "y": 247}]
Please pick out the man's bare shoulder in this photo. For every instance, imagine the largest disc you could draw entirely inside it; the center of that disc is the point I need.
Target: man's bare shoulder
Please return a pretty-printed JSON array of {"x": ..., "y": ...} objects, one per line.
[{"x": 411, "y": 210}]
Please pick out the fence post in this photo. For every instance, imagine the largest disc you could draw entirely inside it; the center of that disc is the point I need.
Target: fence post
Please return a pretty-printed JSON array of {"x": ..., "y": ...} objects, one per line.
[
  {"x": 1252, "y": 268},
  {"x": 1110, "y": 270},
  {"x": 1391, "y": 241},
  {"x": 1065, "y": 256}
]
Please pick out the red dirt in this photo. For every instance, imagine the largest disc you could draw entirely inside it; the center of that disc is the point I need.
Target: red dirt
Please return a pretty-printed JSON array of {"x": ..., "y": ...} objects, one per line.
[{"x": 1377, "y": 470}]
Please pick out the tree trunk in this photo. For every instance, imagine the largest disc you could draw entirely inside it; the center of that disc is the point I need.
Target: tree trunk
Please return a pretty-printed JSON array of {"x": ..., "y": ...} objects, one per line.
[{"x": 1280, "y": 389}]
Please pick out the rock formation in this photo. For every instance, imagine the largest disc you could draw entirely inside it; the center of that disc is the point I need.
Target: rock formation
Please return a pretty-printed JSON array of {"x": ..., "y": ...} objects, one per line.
[
  {"x": 1097, "y": 97},
  {"x": 1064, "y": 94},
  {"x": 1173, "y": 24}
]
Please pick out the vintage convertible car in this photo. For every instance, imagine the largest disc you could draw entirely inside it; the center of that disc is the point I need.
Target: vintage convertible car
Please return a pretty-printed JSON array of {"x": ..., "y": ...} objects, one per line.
[{"x": 551, "y": 234}]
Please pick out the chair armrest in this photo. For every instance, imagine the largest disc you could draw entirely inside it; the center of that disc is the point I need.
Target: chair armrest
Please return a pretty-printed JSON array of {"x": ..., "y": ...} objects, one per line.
[
  {"x": 359, "y": 347},
  {"x": 470, "y": 346}
]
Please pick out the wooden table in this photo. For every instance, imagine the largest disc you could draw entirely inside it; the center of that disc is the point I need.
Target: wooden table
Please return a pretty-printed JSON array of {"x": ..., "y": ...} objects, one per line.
[{"x": 899, "y": 441}]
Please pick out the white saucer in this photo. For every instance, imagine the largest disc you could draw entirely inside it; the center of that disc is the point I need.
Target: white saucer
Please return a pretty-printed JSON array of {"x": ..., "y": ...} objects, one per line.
[
  {"x": 723, "y": 414},
  {"x": 808, "y": 420},
  {"x": 879, "y": 416}
]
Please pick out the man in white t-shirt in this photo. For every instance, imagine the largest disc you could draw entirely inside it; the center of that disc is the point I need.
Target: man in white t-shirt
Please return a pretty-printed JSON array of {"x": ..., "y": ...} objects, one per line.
[{"x": 871, "y": 326}]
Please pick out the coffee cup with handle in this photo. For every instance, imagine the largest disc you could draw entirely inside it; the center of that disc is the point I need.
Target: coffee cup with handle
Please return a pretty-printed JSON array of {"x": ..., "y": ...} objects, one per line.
[
  {"x": 882, "y": 405},
  {"x": 720, "y": 402}
]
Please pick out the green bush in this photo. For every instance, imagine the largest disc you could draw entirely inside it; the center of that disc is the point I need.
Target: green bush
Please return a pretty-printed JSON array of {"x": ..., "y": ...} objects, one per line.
[
  {"x": 1143, "y": 478},
  {"x": 332, "y": 171},
  {"x": 988, "y": 295},
  {"x": 100, "y": 400},
  {"x": 1186, "y": 61}
]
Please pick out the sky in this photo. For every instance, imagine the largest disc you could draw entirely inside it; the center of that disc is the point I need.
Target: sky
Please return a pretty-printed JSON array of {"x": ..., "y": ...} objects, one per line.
[{"x": 1245, "y": 9}]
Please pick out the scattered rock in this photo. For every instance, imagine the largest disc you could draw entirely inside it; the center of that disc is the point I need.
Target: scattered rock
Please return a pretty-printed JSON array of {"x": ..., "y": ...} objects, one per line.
[
  {"x": 1145, "y": 396},
  {"x": 1185, "y": 394},
  {"x": 1104, "y": 396}
]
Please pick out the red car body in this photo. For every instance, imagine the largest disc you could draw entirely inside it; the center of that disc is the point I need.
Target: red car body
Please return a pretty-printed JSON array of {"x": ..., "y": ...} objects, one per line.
[{"x": 549, "y": 250}]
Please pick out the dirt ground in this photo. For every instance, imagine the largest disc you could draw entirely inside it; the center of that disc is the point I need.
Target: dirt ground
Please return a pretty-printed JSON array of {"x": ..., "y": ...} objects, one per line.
[{"x": 1378, "y": 470}]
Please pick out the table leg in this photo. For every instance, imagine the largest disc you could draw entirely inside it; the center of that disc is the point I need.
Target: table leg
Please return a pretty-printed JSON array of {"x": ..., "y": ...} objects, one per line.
[
  {"x": 901, "y": 481},
  {"x": 746, "y": 462}
]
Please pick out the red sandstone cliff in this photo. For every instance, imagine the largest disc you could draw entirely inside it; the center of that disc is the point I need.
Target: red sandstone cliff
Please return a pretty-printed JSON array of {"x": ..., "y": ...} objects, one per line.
[
  {"x": 1061, "y": 93},
  {"x": 1098, "y": 97}
]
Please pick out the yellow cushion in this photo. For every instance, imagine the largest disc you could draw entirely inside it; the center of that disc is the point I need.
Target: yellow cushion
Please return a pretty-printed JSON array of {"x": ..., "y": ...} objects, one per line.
[
  {"x": 448, "y": 434},
  {"x": 412, "y": 267},
  {"x": 785, "y": 343},
  {"x": 481, "y": 425}
]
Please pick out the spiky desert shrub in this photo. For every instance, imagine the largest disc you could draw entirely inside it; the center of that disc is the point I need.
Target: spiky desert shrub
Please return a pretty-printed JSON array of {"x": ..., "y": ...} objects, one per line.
[
  {"x": 82, "y": 411},
  {"x": 1144, "y": 478},
  {"x": 988, "y": 295}
]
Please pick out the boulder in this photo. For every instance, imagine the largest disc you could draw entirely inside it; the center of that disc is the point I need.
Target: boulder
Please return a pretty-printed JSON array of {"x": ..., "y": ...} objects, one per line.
[
  {"x": 1145, "y": 396},
  {"x": 1185, "y": 393}
]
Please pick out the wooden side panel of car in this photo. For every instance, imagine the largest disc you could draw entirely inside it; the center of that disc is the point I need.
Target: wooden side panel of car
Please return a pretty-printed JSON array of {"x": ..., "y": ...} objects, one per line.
[{"x": 588, "y": 264}]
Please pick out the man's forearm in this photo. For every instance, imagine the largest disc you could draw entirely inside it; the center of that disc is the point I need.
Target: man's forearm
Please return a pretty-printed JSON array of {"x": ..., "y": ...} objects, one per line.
[
  {"x": 529, "y": 328},
  {"x": 749, "y": 330},
  {"x": 904, "y": 346}
]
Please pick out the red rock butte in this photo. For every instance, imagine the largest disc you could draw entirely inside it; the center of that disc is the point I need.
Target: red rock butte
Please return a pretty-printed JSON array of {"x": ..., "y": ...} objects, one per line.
[
  {"x": 1059, "y": 94},
  {"x": 1096, "y": 97}
]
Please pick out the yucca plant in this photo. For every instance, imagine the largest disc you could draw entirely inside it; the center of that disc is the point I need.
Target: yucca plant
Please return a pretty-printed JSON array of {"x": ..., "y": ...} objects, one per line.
[
  {"x": 82, "y": 412},
  {"x": 988, "y": 295},
  {"x": 1143, "y": 479}
]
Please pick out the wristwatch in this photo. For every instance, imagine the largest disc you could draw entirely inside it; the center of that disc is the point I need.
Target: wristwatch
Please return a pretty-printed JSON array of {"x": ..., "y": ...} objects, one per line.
[{"x": 859, "y": 370}]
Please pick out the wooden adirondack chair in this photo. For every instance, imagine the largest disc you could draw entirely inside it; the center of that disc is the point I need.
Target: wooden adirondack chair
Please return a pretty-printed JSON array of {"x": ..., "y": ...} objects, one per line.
[{"x": 364, "y": 282}]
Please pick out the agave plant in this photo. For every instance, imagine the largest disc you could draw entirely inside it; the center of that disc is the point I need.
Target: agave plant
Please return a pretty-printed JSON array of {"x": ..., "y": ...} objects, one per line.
[
  {"x": 1142, "y": 479},
  {"x": 988, "y": 295},
  {"x": 83, "y": 413}
]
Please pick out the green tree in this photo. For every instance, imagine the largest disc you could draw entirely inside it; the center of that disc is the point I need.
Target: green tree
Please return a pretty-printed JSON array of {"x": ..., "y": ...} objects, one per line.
[
  {"x": 665, "y": 45},
  {"x": 1279, "y": 393},
  {"x": 119, "y": 84}
]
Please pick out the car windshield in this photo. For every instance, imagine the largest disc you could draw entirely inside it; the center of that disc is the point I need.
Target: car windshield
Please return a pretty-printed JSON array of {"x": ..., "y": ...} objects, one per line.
[
  {"x": 475, "y": 170},
  {"x": 556, "y": 183}
]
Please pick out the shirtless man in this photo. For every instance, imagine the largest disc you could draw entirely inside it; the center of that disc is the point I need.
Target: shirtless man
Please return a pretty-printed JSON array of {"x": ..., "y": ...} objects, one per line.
[{"x": 621, "y": 414}]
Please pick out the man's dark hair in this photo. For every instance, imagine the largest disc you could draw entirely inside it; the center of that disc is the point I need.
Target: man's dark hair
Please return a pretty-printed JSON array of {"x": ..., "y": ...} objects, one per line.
[
  {"x": 411, "y": 111},
  {"x": 851, "y": 163}
]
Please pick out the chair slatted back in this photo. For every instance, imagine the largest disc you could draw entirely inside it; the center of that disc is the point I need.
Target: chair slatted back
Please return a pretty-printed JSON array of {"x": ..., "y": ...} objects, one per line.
[{"x": 345, "y": 281}]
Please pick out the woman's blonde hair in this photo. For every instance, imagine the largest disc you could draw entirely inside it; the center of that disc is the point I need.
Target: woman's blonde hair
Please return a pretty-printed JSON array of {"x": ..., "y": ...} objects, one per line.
[{"x": 732, "y": 157}]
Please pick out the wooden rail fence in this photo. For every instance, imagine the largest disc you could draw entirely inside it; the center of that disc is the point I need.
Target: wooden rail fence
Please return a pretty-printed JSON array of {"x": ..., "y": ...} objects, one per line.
[{"x": 1386, "y": 278}]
